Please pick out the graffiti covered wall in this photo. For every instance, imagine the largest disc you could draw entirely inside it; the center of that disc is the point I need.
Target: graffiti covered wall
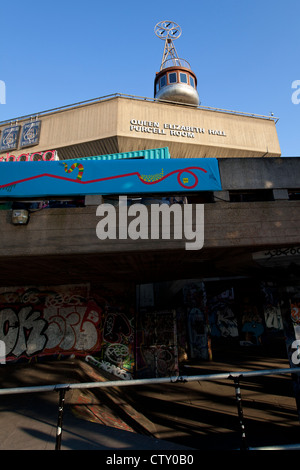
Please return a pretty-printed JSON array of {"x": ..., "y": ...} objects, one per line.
[
  {"x": 172, "y": 325},
  {"x": 157, "y": 352},
  {"x": 194, "y": 297},
  {"x": 116, "y": 352},
  {"x": 59, "y": 321},
  {"x": 48, "y": 321}
]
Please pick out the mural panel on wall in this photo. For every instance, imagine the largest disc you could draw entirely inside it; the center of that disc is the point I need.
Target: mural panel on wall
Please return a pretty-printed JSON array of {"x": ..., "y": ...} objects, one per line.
[
  {"x": 48, "y": 321},
  {"x": 129, "y": 176},
  {"x": 116, "y": 353}
]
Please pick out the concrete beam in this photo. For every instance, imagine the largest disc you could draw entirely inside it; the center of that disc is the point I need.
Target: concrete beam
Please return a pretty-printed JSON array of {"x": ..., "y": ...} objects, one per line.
[
  {"x": 73, "y": 230},
  {"x": 259, "y": 173}
]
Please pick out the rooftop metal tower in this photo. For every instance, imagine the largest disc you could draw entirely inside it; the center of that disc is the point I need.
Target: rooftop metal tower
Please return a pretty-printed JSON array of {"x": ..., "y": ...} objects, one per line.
[{"x": 175, "y": 81}]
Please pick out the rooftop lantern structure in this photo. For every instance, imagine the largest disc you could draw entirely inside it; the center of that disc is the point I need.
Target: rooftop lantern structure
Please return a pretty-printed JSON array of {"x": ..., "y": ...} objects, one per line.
[{"x": 175, "y": 81}]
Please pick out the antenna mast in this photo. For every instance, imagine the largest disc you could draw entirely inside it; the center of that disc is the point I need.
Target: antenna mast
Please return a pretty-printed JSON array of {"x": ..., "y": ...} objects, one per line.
[{"x": 168, "y": 31}]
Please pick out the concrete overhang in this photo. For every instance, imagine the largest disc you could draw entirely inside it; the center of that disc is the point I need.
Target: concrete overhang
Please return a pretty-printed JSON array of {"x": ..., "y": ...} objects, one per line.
[{"x": 61, "y": 246}]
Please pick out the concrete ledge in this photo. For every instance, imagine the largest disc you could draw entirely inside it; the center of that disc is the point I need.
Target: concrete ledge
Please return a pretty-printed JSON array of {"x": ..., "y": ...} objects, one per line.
[
  {"x": 72, "y": 231},
  {"x": 259, "y": 173}
]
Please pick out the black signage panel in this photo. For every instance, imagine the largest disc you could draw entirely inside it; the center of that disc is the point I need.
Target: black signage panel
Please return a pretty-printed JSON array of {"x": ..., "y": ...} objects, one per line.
[
  {"x": 31, "y": 134},
  {"x": 9, "y": 138}
]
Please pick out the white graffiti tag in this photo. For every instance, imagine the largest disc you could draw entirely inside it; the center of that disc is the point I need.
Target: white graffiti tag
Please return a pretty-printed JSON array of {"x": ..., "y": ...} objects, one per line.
[
  {"x": 23, "y": 333},
  {"x": 55, "y": 330}
]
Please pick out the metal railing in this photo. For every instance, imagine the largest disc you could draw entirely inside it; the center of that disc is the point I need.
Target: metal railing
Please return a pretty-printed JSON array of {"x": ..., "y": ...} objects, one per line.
[
  {"x": 175, "y": 61},
  {"x": 39, "y": 114},
  {"x": 235, "y": 376}
]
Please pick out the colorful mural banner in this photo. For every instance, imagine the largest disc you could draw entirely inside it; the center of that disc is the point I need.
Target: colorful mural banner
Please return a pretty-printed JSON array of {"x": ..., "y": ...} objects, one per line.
[{"x": 136, "y": 176}]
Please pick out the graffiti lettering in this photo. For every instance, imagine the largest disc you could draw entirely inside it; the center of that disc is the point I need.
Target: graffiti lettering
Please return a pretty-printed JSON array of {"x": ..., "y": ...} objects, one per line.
[
  {"x": 273, "y": 317},
  {"x": 116, "y": 325},
  {"x": 161, "y": 360},
  {"x": 22, "y": 333},
  {"x": 116, "y": 354},
  {"x": 111, "y": 368},
  {"x": 65, "y": 320},
  {"x": 32, "y": 331},
  {"x": 158, "y": 353},
  {"x": 2, "y": 352},
  {"x": 296, "y": 354},
  {"x": 283, "y": 252},
  {"x": 295, "y": 312},
  {"x": 31, "y": 338}
]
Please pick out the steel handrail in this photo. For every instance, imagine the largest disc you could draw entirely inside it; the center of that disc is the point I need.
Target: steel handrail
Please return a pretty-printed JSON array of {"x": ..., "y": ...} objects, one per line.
[
  {"x": 236, "y": 376},
  {"x": 160, "y": 380}
]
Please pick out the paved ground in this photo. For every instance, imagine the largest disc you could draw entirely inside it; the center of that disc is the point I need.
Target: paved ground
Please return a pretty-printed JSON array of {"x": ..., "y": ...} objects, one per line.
[
  {"x": 191, "y": 415},
  {"x": 29, "y": 421}
]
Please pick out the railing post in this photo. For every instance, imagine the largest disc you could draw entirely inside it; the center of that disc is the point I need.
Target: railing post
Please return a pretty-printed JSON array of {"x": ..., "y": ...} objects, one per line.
[
  {"x": 62, "y": 393},
  {"x": 238, "y": 397}
]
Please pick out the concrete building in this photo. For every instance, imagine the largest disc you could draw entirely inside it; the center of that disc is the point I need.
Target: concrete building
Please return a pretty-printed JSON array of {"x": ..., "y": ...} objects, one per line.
[{"x": 144, "y": 306}]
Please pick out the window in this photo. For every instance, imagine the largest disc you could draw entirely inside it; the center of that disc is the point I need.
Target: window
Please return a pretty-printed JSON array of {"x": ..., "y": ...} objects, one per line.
[
  {"x": 162, "y": 81},
  {"x": 172, "y": 77},
  {"x": 201, "y": 197},
  {"x": 192, "y": 82},
  {"x": 254, "y": 195},
  {"x": 294, "y": 194},
  {"x": 183, "y": 77}
]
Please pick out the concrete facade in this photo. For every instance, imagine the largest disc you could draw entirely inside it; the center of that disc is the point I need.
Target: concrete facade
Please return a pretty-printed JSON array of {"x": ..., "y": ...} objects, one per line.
[
  {"x": 143, "y": 307},
  {"x": 122, "y": 124}
]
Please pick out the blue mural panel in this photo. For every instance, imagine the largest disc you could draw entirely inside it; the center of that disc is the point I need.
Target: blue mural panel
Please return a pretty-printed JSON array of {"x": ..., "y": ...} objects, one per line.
[{"x": 82, "y": 177}]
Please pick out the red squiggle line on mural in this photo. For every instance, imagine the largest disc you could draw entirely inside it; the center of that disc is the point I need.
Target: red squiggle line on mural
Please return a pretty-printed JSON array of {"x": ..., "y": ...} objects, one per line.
[{"x": 179, "y": 173}]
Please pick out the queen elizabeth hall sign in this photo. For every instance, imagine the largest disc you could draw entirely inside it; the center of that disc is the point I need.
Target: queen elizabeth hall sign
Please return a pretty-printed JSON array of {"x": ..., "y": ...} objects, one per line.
[{"x": 82, "y": 176}]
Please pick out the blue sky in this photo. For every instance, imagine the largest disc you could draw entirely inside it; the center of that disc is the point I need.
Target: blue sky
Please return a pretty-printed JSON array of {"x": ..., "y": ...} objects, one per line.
[{"x": 245, "y": 54}]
